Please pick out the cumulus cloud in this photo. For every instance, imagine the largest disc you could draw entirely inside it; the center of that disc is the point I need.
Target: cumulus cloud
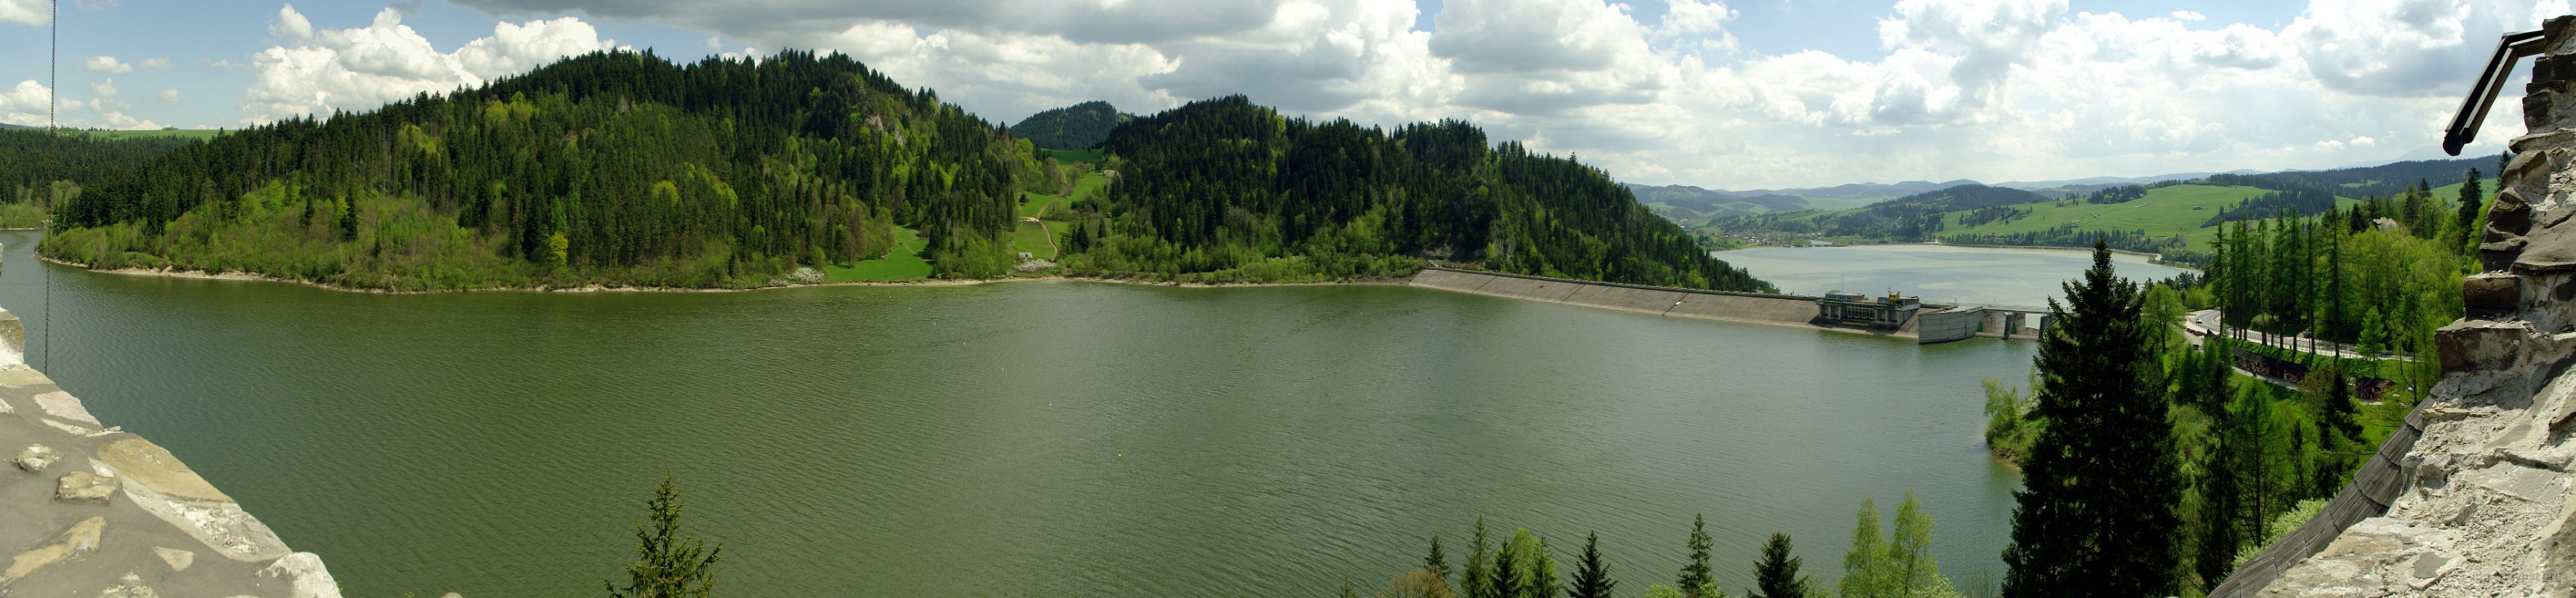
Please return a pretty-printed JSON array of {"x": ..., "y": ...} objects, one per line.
[
  {"x": 25, "y": 12},
  {"x": 322, "y": 70},
  {"x": 170, "y": 95},
  {"x": 1987, "y": 89},
  {"x": 105, "y": 88},
  {"x": 106, "y": 64},
  {"x": 155, "y": 63},
  {"x": 24, "y": 105}
]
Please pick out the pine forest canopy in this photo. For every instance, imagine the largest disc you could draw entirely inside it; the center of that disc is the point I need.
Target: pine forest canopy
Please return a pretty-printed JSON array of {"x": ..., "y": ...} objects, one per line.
[
  {"x": 1075, "y": 127},
  {"x": 624, "y": 169}
]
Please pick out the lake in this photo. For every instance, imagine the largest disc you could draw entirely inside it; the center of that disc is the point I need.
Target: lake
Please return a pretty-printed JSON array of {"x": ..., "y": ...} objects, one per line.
[
  {"x": 1030, "y": 438},
  {"x": 1939, "y": 273}
]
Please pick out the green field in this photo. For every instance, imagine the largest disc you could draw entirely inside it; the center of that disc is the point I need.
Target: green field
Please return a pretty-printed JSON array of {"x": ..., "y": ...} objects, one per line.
[
  {"x": 1031, "y": 237},
  {"x": 1033, "y": 205},
  {"x": 1087, "y": 187},
  {"x": 2179, "y": 209},
  {"x": 903, "y": 263}
]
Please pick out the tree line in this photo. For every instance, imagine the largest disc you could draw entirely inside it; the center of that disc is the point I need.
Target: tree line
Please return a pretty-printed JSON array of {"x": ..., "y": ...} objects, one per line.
[
  {"x": 1882, "y": 563},
  {"x": 40, "y": 170},
  {"x": 2149, "y": 466},
  {"x": 1222, "y": 190},
  {"x": 608, "y": 168}
]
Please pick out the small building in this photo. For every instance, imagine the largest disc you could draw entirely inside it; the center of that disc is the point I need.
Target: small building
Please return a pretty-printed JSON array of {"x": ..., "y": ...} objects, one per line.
[{"x": 1856, "y": 309}]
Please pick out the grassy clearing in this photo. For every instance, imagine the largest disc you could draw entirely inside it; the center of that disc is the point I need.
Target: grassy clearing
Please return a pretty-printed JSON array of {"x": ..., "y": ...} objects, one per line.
[
  {"x": 1032, "y": 238},
  {"x": 903, "y": 263},
  {"x": 1087, "y": 187},
  {"x": 1033, "y": 205}
]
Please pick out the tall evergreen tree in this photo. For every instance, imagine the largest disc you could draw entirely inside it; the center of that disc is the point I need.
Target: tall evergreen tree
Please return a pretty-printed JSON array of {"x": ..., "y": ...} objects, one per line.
[
  {"x": 1507, "y": 572},
  {"x": 668, "y": 563},
  {"x": 2472, "y": 200},
  {"x": 2095, "y": 517},
  {"x": 1776, "y": 575},
  {"x": 1478, "y": 582},
  {"x": 1695, "y": 574},
  {"x": 1437, "y": 562},
  {"x": 1591, "y": 576}
]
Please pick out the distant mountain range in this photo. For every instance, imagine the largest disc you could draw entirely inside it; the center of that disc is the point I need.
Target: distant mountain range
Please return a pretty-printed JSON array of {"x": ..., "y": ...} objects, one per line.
[{"x": 1696, "y": 202}]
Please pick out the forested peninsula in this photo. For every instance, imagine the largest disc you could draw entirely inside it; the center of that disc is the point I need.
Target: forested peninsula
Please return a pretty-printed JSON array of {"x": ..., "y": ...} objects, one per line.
[{"x": 623, "y": 169}]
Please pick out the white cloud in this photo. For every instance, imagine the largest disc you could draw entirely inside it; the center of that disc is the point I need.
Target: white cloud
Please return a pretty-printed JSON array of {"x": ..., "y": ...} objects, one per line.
[
  {"x": 106, "y": 64},
  {"x": 363, "y": 67},
  {"x": 24, "y": 105},
  {"x": 170, "y": 95},
  {"x": 25, "y": 12},
  {"x": 1988, "y": 89},
  {"x": 155, "y": 63},
  {"x": 105, "y": 88},
  {"x": 291, "y": 26}
]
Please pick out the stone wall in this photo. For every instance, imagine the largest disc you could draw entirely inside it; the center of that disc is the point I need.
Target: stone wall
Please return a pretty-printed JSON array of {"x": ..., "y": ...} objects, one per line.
[
  {"x": 2480, "y": 504},
  {"x": 90, "y": 510}
]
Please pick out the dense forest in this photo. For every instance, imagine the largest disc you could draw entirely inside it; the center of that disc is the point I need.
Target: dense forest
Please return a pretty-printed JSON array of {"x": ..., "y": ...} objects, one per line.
[
  {"x": 624, "y": 169},
  {"x": 1222, "y": 190},
  {"x": 1079, "y": 126},
  {"x": 38, "y": 170},
  {"x": 608, "y": 168}
]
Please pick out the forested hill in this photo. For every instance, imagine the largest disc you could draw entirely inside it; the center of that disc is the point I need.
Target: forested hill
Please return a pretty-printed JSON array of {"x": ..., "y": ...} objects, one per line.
[
  {"x": 38, "y": 169},
  {"x": 613, "y": 168},
  {"x": 1079, "y": 126},
  {"x": 1225, "y": 186}
]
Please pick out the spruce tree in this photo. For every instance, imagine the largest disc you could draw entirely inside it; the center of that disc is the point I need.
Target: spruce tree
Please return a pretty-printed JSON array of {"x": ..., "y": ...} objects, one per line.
[
  {"x": 1776, "y": 576},
  {"x": 669, "y": 563},
  {"x": 1438, "y": 563},
  {"x": 1591, "y": 576},
  {"x": 2095, "y": 517},
  {"x": 1507, "y": 573},
  {"x": 1478, "y": 582},
  {"x": 2472, "y": 200},
  {"x": 1695, "y": 574}
]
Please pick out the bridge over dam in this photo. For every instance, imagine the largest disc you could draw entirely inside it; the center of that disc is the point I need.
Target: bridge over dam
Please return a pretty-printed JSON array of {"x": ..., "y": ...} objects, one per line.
[{"x": 1893, "y": 317}]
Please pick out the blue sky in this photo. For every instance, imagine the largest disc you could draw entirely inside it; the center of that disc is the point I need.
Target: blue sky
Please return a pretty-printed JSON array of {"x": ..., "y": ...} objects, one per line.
[{"x": 1739, "y": 95}]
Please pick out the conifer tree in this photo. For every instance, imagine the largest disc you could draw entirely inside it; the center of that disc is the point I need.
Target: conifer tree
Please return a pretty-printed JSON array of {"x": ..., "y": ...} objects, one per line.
[
  {"x": 1591, "y": 576},
  {"x": 669, "y": 563},
  {"x": 1438, "y": 563},
  {"x": 1478, "y": 582},
  {"x": 1695, "y": 574},
  {"x": 1507, "y": 573},
  {"x": 2471, "y": 200},
  {"x": 1776, "y": 575},
  {"x": 2095, "y": 517}
]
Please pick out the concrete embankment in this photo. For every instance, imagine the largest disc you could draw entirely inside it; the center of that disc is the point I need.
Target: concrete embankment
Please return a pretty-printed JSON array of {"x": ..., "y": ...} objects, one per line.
[
  {"x": 90, "y": 510},
  {"x": 1748, "y": 308}
]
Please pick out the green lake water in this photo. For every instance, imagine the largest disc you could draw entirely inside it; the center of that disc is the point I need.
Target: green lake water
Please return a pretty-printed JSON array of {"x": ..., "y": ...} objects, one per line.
[
  {"x": 1040, "y": 438},
  {"x": 1937, "y": 273}
]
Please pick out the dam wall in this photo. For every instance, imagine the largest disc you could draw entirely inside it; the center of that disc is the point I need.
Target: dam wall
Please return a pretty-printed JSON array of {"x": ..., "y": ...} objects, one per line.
[
  {"x": 88, "y": 509},
  {"x": 1722, "y": 306}
]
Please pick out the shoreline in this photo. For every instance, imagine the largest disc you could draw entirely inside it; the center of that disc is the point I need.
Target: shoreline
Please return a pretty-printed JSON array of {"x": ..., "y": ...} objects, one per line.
[
  {"x": 2152, "y": 258},
  {"x": 240, "y": 276}
]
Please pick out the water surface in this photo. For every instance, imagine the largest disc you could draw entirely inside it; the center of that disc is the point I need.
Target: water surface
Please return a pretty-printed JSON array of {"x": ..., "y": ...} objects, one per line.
[
  {"x": 1047, "y": 438},
  {"x": 1938, "y": 273}
]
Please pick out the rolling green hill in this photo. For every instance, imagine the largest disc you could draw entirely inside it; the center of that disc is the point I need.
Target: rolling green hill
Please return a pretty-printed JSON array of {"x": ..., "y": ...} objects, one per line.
[{"x": 1075, "y": 127}]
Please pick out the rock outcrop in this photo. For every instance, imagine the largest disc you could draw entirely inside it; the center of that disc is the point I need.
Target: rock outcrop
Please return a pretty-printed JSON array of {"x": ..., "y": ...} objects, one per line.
[
  {"x": 90, "y": 510},
  {"x": 2481, "y": 500}
]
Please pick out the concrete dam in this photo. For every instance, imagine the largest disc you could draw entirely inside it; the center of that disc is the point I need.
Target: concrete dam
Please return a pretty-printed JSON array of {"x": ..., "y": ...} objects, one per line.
[{"x": 1924, "y": 323}]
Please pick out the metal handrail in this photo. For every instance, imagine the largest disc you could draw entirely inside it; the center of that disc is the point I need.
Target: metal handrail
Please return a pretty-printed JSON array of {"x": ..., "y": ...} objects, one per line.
[{"x": 2473, "y": 111}]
